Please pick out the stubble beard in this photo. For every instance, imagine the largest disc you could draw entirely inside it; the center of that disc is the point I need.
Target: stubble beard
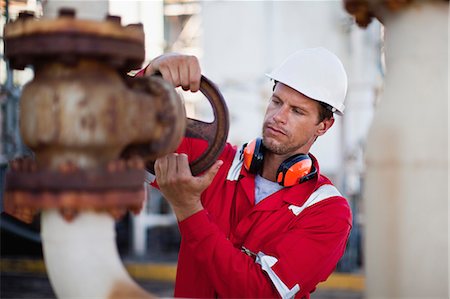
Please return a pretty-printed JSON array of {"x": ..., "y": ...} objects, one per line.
[{"x": 279, "y": 148}]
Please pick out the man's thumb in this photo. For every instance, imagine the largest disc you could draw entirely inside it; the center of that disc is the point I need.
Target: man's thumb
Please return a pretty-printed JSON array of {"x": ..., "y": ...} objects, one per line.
[
  {"x": 209, "y": 175},
  {"x": 149, "y": 69}
]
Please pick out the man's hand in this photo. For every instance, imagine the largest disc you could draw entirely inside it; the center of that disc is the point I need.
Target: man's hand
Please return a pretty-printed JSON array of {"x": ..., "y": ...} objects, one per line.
[
  {"x": 179, "y": 70},
  {"x": 179, "y": 187}
]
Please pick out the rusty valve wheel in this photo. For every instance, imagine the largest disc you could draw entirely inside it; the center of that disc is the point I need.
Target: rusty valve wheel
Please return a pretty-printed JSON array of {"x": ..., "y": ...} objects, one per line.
[{"x": 214, "y": 133}]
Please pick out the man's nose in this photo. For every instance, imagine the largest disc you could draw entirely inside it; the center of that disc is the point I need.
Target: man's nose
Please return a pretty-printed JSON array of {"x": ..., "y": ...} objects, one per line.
[{"x": 281, "y": 115}]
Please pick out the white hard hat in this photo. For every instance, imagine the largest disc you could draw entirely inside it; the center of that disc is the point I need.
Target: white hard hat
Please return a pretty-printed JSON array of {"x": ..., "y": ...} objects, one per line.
[{"x": 316, "y": 73}]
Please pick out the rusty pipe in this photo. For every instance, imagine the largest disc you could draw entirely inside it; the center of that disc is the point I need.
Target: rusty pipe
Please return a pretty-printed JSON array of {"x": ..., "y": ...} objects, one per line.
[
  {"x": 86, "y": 113},
  {"x": 77, "y": 115},
  {"x": 92, "y": 130}
]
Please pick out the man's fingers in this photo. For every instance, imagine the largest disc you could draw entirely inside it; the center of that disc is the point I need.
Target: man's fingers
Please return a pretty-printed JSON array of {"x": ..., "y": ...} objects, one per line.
[
  {"x": 149, "y": 70},
  {"x": 184, "y": 76},
  {"x": 172, "y": 167},
  {"x": 183, "y": 165},
  {"x": 161, "y": 170},
  {"x": 179, "y": 70},
  {"x": 152, "y": 67},
  {"x": 195, "y": 74},
  {"x": 167, "y": 75},
  {"x": 157, "y": 168}
]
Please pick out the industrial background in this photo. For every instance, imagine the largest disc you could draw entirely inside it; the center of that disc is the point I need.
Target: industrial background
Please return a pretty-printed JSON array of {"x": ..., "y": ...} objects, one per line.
[{"x": 237, "y": 42}]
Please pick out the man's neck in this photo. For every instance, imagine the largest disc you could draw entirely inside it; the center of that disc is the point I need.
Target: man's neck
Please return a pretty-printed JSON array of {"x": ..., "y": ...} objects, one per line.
[{"x": 271, "y": 164}]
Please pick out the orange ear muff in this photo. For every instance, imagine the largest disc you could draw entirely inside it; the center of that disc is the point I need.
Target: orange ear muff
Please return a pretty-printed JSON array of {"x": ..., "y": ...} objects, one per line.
[
  {"x": 253, "y": 155},
  {"x": 295, "y": 170}
]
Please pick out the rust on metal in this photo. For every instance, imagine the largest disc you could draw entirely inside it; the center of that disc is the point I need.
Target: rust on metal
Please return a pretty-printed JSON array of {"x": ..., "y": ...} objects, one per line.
[
  {"x": 169, "y": 119},
  {"x": 78, "y": 112},
  {"x": 365, "y": 10},
  {"x": 214, "y": 133},
  {"x": 115, "y": 189},
  {"x": 77, "y": 115},
  {"x": 31, "y": 41},
  {"x": 93, "y": 130},
  {"x": 24, "y": 205},
  {"x": 75, "y": 179}
]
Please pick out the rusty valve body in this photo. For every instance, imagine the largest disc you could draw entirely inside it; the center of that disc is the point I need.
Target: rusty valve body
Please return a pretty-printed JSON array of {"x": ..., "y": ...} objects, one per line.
[{"x": 79, "y": 114}]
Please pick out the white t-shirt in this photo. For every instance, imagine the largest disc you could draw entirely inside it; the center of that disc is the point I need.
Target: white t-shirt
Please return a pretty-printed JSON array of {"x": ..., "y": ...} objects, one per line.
[{"x": 264, "y": 188}]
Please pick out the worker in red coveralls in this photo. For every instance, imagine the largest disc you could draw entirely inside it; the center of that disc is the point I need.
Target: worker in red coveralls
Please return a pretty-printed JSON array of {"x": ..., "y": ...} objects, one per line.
[{"x": 262, "y": 221}]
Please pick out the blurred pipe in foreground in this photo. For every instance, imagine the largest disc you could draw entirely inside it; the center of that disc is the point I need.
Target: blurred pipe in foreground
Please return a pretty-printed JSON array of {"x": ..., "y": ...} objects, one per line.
[
  {"x": 406, "y": 190},
  {"x": 78, "y": 115}
]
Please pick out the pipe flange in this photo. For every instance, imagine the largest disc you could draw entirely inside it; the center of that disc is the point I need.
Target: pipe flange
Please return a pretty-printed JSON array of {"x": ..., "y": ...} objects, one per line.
[
  {"x": 31, "y": 41},
  {"x": 170, "y": 118},
  {"x": 365, "y": 10},
  {"x": 115, "y": 189},
  {"x": 214, "y": 133}
]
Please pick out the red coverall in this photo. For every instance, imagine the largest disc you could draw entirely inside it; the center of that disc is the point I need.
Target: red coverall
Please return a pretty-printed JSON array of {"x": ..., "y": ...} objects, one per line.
[{"x": 299, "y": 246}]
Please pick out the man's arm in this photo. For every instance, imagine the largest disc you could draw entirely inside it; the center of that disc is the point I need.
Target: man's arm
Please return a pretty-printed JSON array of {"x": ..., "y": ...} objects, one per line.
[
  {"x": 298, "y": 259},
  {"x": 304, "y": 255}
]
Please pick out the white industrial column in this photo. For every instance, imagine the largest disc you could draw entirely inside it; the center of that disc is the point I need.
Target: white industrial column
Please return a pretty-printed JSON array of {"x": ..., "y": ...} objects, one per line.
[
  {"x": 92, "y": 10},
  {"x": 406, "y": 198},
  {"x": 152, "y": 17},
  {"x": 150, "y": 14}
]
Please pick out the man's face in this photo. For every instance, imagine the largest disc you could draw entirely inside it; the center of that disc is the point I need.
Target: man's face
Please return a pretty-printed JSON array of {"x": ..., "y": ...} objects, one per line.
[{"x": 291, "y": 123}]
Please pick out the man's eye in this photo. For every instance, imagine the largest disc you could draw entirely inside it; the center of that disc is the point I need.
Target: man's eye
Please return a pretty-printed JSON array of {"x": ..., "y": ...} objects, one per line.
[
  {"x": 276, "y": 101},
  {"x": 297, "y": 111}
]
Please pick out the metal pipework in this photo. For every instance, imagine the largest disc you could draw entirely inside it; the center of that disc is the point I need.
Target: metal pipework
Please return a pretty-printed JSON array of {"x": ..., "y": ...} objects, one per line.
[
  {"x": 365, "y": 10},
  {"x": 79, "y": 113},
  {"x": 93, "y": 131},
  {"x": 406, "y": 185}
]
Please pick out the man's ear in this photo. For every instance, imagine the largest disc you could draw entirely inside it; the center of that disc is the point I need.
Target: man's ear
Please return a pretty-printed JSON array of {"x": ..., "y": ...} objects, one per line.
[{"x": 324, "y": 125}]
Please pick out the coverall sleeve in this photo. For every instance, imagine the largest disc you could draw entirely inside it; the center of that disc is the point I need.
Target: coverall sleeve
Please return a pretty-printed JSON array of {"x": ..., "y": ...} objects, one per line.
[
  {"x": 306, "y": 253},
  {"x": 232, "y": 273}
]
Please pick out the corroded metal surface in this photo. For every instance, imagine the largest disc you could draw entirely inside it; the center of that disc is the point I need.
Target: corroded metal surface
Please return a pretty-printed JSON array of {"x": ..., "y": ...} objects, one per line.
[
  {"x": 168, "y": 114},
  {"x": 365, "y": 10},
  {"x": 78, "y": 114},
  {"x": 77, "y": 120},
  {"x": 119, "y": 174},
  {"x": 30, "y": 41},
  {"x": 91, "y": 128},
  {"x": 88, "y": 115},
  {"x": 115, "y": 189},
  {"x": 215, "y": 133}
]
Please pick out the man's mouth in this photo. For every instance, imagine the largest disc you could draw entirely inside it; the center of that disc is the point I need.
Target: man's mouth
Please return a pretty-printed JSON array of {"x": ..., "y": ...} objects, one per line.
[{"x": 275, "y": 130}]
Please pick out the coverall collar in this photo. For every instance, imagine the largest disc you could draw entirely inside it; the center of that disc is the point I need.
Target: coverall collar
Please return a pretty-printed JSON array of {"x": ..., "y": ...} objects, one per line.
[{"x": 295, "y": 195}]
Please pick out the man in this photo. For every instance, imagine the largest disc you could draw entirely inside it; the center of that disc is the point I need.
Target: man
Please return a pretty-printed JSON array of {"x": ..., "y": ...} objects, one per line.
[{"x": 262, "y": 221}]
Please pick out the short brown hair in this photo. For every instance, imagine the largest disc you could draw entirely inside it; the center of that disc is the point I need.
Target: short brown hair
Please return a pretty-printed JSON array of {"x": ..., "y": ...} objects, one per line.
[{"x": 325, "y": 111}]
